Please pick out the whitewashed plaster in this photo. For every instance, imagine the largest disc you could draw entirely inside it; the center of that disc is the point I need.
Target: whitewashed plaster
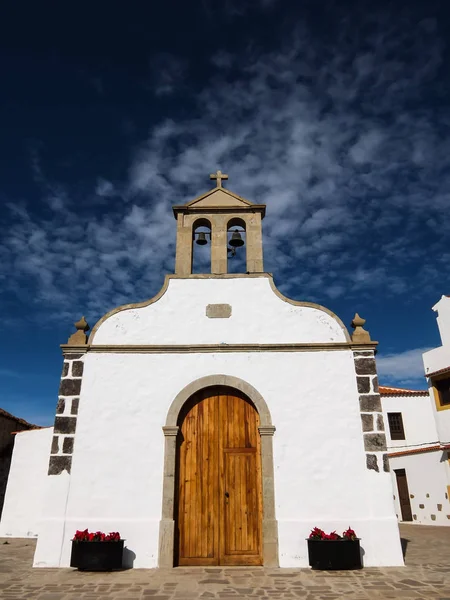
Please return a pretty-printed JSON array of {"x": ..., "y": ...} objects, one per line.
[
  {"x": 442, "y": 308},
  {"x": 259, "y": 316},
  {"x": 437, "y": 359},
  {"x": 25, "y": 490},
  {"x": 426, "y": 475},
  {"x": 418, "y": 421},
  {"x": 442, "y": 424},
  {"x": 321, "y": 477}
]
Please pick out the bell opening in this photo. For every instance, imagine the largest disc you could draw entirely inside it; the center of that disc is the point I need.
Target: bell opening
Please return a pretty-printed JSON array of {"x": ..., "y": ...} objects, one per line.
[{"x": 201, "y": 246}]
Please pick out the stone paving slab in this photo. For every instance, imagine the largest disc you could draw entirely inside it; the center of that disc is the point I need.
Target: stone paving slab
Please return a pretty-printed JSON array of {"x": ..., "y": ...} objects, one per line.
[{"x": 426, "y": 576}]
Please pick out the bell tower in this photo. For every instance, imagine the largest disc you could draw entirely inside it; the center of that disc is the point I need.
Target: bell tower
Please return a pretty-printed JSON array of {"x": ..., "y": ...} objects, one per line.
[{"x": 225, "y": 214}]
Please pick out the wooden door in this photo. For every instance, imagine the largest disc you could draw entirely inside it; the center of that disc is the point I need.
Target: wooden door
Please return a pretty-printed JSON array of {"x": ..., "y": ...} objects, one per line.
[
  {"x": 219, "y": 481},
  {"x": 403, "y": 494}
]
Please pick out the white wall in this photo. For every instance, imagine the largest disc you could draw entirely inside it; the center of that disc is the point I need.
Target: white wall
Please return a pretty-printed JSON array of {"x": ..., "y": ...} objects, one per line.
[
  {"x": 321, "y": 477},
  {"x": 320, "y": 472},
  {"x": 437, "y": 359},
  {"x": 26, "y": 483},
  {"x": 418, "y": 420},
  {"x": 443, "y": 319},
  {"x": 259, "y": 316},
  {"x": 427, "y": 483},
  {"x": 442, "y": 423}
]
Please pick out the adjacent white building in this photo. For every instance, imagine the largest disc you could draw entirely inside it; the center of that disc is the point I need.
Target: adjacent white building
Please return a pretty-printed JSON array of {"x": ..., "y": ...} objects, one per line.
[
  {"x": 437, "y": 371},
  {"x": 418, "y": 463},
  {"x": 418, "y": 436},
  {"x": 22, "y": 510}
]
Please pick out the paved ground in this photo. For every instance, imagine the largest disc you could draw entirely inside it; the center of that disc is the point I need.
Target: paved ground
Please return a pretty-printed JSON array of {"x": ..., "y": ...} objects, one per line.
[{"x": 426, "y": 576}]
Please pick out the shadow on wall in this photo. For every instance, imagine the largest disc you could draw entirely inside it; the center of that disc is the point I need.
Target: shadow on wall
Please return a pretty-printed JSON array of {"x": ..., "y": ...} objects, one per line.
[
  {"x": 6, "y": 450},
  {"x": 128, "y": 558},
  {"x": 404, "y": 542}
]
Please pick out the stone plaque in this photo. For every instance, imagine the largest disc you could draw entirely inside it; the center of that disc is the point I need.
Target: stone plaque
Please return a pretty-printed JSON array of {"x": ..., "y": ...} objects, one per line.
[{"x": 218, "y": 311}]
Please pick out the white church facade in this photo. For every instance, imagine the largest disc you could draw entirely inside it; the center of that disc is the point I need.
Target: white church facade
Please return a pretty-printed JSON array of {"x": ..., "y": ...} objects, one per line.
[{"x": 218, "y": 422}]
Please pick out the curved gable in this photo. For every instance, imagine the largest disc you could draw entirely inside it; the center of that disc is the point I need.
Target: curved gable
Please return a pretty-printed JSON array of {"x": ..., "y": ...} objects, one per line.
[{"x": 219, "y": 310}]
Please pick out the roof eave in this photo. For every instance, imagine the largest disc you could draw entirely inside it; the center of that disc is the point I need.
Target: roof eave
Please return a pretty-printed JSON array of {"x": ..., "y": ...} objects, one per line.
[
  {"x": 438, "y": 372},
  {"x": 184, "y": 208}
]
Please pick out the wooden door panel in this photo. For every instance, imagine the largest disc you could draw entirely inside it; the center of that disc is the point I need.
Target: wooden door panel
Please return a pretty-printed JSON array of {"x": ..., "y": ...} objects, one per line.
[
  {"x": 218, "y": 454},
  {"x": 241, "y": 533},
  {"x": 403, "y": 495},
  {"x": 198, "y": 485},
  {"x": 239, "y": 421},
  {"x": 240, "y": 482}
]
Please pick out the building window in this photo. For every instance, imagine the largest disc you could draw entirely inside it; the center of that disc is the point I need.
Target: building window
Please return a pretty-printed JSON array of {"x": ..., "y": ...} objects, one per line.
[
  {"x": 442, "y": 387},
  {"x": 396, "y": 426}
]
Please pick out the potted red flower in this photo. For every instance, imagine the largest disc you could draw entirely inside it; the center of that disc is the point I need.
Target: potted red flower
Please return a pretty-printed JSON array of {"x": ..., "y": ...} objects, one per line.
[
  {"x": 331, "y": 551},
  {"x": 96, "y": 551}
]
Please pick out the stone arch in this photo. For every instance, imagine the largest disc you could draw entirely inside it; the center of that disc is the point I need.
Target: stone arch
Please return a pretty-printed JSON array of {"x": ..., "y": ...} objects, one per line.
[
  {"x": 211, "y": 380},
  {"x": 237, "y": 222},
  {"x": 266, "y": 431}
]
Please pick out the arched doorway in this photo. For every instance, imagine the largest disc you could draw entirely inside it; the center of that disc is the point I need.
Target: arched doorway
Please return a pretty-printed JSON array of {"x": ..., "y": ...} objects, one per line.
[
  {"x": 218, "y": 501},
  {"x": 171, "y": 431}
]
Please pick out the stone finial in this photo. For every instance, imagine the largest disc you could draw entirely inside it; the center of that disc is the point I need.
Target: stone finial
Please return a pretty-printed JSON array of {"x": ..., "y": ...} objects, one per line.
[
  {"x": 79, "y": 338},
  {"x": 359, "y": 335}
]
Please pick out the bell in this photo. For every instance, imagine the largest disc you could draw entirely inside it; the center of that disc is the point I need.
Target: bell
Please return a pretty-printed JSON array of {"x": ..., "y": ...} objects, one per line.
[
  {"x": 236, "y": 240},
  {"x": 201, "y": 239}
]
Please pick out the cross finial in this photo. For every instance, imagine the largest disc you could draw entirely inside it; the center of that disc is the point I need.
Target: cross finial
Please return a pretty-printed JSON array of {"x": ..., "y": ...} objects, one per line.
[{"x": 218, "y": 176}]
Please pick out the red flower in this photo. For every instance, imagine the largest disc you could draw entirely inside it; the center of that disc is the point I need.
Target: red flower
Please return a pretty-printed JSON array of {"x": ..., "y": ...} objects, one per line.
[
  {"x": 319, "y": 534},
  {"x": 98, "y": 536},
  {"x": 332, "y": 536},
  {"x": 81, "y": 536},
  {"x": 316, "y": 534},
  {"x": 349, "y": 534}
]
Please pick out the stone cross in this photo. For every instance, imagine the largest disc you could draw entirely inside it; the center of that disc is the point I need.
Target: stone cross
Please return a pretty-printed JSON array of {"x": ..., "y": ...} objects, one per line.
[{"x": 218, "y": 177}]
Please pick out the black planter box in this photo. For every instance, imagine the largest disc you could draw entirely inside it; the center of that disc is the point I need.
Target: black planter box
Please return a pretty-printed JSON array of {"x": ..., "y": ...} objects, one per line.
[
  {"x": 97, "y": 556},
  {"x": 334, "y": 554}
]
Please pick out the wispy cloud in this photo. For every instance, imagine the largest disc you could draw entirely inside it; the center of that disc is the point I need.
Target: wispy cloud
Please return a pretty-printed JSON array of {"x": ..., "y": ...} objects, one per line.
[
  {"x": 403, "y": 367},
  {"x": 104, "y": 188},
  {"x": 329, "y": 134}
]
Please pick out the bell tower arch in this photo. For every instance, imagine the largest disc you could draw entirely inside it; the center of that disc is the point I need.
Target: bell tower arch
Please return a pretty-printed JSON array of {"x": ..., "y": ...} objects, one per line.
[{"x": 227, "y": 213}]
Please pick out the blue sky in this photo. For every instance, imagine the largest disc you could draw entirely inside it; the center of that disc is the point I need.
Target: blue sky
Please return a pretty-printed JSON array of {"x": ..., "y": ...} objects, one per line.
[{"x": 333, "y": 113}]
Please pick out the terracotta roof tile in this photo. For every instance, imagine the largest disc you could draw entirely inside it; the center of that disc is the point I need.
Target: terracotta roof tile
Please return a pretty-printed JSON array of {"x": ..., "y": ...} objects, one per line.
[
  {"x": 446, "y": 370},
  {"x": 394, "y": 391},
  {"x": 18, "y": 420}
]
